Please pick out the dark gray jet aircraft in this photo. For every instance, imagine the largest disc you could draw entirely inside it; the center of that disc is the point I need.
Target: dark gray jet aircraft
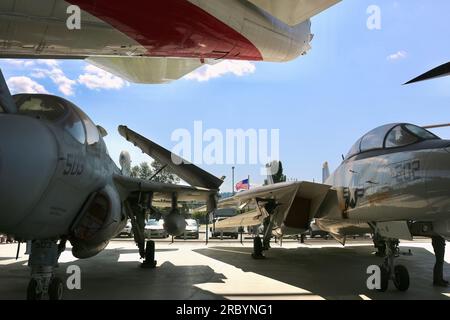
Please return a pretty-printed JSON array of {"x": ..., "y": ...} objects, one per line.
[
  {"x": 394, "y": 183},
  {"x": 58, "y": 184}
]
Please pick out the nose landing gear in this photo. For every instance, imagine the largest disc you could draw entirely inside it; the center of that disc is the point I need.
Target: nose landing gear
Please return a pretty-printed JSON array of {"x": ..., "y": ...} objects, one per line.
[
  {"x": 43, "y": 261},
  {"x": 389, "y": 271}
]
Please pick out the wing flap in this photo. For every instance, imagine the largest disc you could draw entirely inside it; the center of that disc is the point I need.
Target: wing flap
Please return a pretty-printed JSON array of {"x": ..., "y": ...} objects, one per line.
[{"x": 293, "y": 12}]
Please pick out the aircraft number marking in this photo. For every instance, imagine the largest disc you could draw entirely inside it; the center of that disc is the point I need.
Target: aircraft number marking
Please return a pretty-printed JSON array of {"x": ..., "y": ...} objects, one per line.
[
  {"x": 406, "y": 171},
  {"x": 74, "y": 166}
]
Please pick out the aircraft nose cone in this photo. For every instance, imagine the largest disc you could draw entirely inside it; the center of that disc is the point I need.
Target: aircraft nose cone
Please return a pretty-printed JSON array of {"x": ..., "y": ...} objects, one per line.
[{"x": 28, "y": 157}]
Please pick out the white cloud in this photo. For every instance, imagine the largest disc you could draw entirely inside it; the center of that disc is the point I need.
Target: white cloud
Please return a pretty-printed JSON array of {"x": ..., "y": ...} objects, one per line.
[
  {"x": 65, "y": 85},
  {"x": 25, "y": 85},
  {"x": 49, "y": 62},
  {"x": 208, "y": 72},
  {"x": 397, "y": 56},
  {"x": 20, "y": 63},
  {"x": 95, "y": 78}
]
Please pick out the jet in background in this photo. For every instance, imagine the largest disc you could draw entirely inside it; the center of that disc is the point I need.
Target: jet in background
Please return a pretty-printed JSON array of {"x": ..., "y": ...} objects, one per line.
[
  {"x": 153, "y": 41},
  {"x": 438, "y": 72},
  {"x": 393, "y": 183},
  {"x": 58, "y": 184}
]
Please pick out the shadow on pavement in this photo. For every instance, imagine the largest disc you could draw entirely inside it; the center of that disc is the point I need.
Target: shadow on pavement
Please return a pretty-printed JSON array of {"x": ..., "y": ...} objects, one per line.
[{"x": 334, "y": 272}]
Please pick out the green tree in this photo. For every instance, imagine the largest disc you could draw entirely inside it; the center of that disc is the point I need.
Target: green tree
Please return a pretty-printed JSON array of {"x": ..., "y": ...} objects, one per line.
[{"x": 145, "y": 171}]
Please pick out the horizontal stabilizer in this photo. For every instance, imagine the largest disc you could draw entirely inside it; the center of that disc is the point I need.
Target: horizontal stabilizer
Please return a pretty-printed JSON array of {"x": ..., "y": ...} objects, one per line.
[
  {"x": 146, "y": 69},
  {"x": 189, "y": 172},
  {"x": 293, "y": 12}
]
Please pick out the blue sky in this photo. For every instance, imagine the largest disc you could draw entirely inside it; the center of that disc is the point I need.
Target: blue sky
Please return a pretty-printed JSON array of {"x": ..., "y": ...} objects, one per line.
[{"x": 322, "y": 103}]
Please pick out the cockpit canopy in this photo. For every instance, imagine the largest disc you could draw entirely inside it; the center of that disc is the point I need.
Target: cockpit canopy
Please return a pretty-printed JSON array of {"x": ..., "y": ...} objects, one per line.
[
  {"x": 61, "y": 112},
  {"x": 389, "y": 136}
]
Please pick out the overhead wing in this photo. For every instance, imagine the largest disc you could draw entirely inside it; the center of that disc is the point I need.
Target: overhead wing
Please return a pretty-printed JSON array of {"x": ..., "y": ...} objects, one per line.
[
  {"x": 162, "y": 191},
  {"x": 296, "y": 204},
  {"x": 294, "y": 12},
  {"x": 189, "y": 172},
  {"x": 441, "y": 71},
  {"x": 146, "y": 69}
]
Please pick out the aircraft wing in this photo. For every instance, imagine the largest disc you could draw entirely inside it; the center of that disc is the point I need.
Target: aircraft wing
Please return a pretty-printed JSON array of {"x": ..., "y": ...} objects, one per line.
[
  {"x": 294, "y": 205},
  {"x": 441, "y": 71},
  {"x": 189, "y": 172},
  {"x": 293, "y": 12},
  {"x": 163, "y": 191},
  {"x": 147, "y": 69}
]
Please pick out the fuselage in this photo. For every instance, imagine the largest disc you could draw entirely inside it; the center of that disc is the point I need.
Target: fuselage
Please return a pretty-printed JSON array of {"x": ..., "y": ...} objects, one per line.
[
  {"x": 387, "y": 182},
  {"x": 55, "y": 172},
  {"x": 204, "y": 29}
]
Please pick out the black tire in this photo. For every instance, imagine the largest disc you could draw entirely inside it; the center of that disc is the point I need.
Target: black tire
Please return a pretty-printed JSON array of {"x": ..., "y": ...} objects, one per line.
[
  {"x": 56, "y": 289},
  {"x": 149, "y": 261},
  {"x": 257, "y": 248},
  {"x": 384, "y": 285},
  {"x": 401, "y": 278},
  {"x": 32, "y": 295}
]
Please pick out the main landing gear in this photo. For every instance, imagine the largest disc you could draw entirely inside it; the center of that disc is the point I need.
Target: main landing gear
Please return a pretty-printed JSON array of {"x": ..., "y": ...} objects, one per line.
[
  {"x": 43, "y": 261},
  {"x": 389, "y": 271},
  {"x": 146, "y": 248},
  {"x": 149, "y": 257},
  {"x": 258, "y": 248}
]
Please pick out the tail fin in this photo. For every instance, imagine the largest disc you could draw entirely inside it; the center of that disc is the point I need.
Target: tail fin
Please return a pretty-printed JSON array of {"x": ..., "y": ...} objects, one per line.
[
  {"x": 125, "y": 163},
  {"x": 275, "y": 173},
  {"x": 325, "y": 172}
]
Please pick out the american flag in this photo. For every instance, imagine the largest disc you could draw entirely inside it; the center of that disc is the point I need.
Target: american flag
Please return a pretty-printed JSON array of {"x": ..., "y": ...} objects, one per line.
[{"x": 243, "y": 185}]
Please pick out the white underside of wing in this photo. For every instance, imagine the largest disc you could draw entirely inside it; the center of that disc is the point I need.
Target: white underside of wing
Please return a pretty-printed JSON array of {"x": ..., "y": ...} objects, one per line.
[
  {"x": 293, "y": 12},
  {"x": 146, "y": 69}
]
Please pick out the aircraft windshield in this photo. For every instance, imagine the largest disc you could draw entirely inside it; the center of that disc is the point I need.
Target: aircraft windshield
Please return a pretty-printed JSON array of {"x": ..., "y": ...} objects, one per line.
[
  {"x": 403, "y": 135},
  {"x": 390, "y": 136},
  {"x": 40, "y": 106},
  {"x": 53, "y": 109}
]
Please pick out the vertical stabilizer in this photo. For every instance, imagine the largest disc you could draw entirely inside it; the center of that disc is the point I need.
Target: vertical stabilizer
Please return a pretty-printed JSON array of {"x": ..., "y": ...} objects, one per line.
[{"x": 325, "y": 172}]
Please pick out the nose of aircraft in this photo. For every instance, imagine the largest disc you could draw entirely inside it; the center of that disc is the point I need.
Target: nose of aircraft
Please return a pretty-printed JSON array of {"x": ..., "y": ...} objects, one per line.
[{"x": 28, "y": 158}]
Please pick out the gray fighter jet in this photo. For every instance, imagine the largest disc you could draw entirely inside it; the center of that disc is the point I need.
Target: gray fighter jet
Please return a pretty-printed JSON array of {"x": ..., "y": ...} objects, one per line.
[
  {"x": 393, "y": 183},
  {"x": 58, "y": 184}
]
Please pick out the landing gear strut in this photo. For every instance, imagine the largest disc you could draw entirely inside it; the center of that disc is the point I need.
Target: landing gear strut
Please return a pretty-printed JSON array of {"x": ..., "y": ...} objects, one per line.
[
  {"x": 389, "y": 271},
  {"x": 43, "y": 261}
]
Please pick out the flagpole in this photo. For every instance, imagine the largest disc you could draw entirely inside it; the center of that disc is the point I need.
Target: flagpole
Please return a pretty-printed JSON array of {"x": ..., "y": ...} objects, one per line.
[{"x": 232, "y": 183}]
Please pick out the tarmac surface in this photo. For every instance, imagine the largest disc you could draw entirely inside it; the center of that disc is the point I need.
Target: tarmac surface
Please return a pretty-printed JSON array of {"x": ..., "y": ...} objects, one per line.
[{"x": 318, "y": 269}]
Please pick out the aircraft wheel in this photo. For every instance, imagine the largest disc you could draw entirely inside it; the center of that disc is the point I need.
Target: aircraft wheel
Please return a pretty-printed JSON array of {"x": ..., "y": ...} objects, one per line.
[
  {"x": 149, "y": 262},
  {"x": 56, "y": 289},
  {"x": 401, "y": 278},
  {"x": 32, "y": 293},
  {"x": 257, "y": 248},
  {"x": 384, "y": 279}
]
